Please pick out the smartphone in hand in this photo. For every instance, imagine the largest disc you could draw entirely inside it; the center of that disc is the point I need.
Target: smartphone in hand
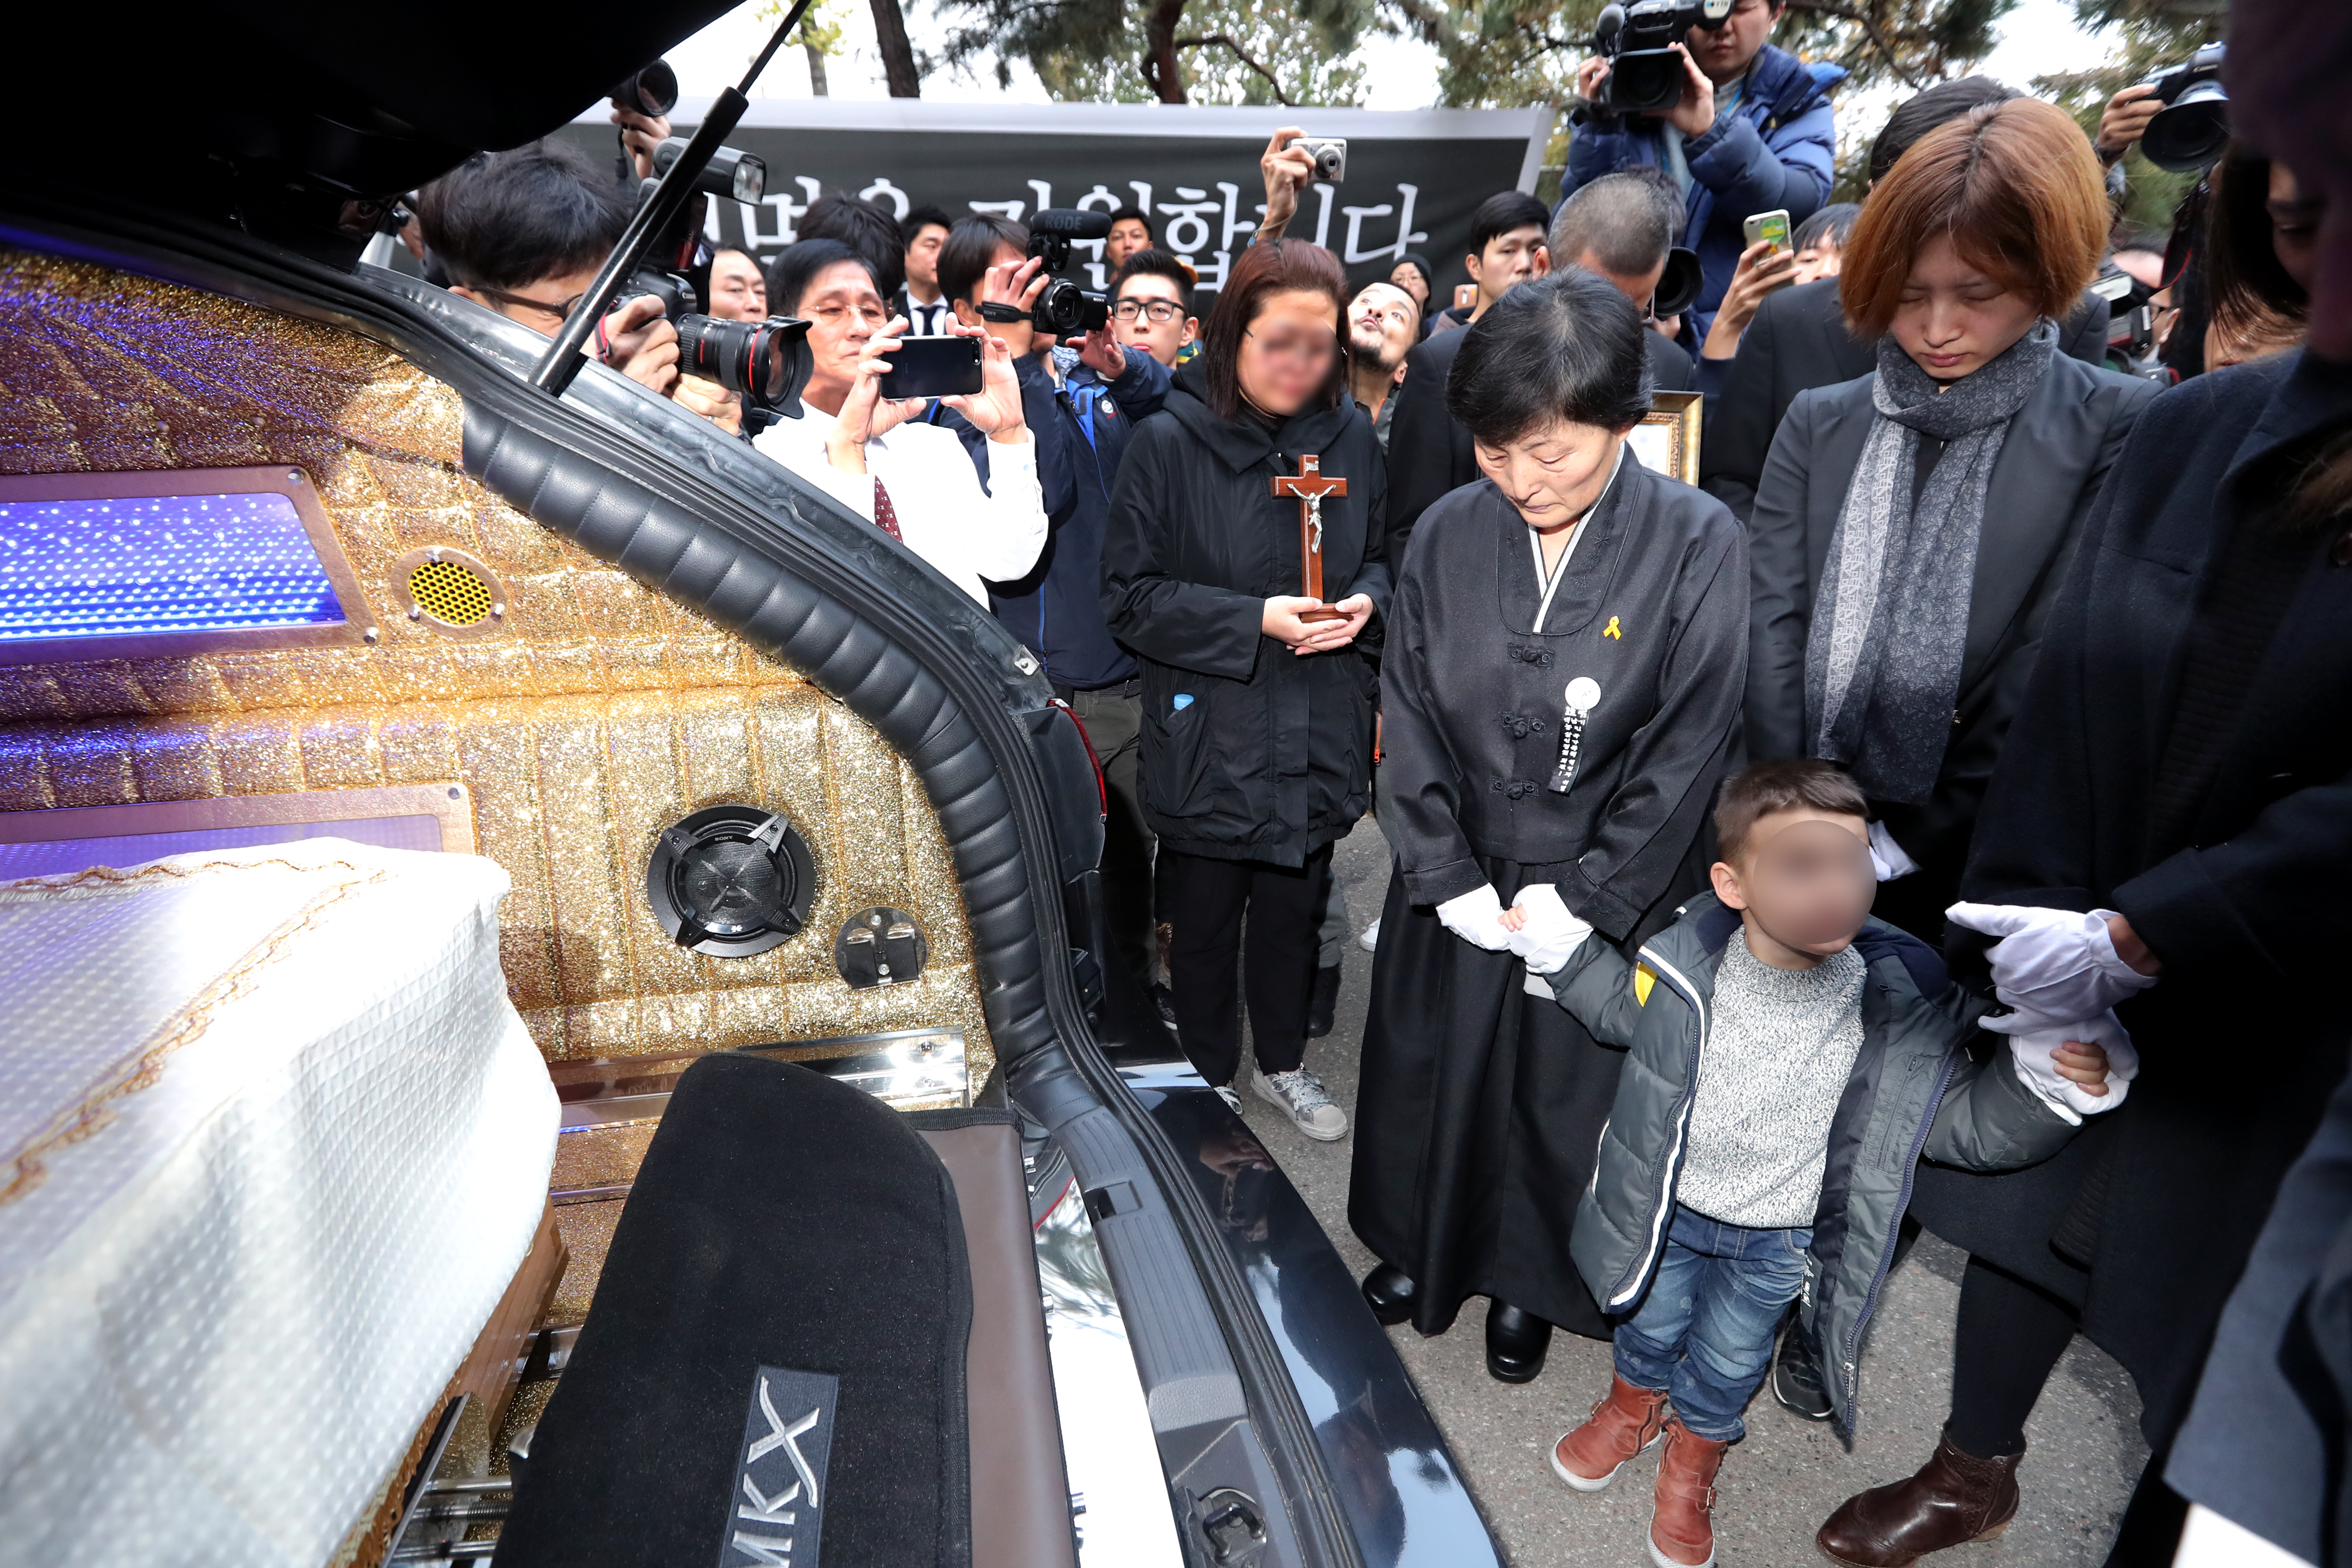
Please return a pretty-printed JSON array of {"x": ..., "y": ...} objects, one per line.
[
  {"x": 1772, "y": 225},
  {"x": 933, "y": 367},
  {"x": 1466, "y": 295}
]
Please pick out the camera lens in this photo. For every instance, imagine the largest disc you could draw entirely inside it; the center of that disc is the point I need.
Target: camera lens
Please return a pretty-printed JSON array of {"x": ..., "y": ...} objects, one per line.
[
  {"x": 766, "y": 361},
  {"x": 2190, "y": 134},
  {"x": 1326, "y": 163}
]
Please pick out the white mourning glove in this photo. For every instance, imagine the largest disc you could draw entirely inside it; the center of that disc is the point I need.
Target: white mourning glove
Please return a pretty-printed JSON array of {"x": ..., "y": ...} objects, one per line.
[
  {"x": 2054, "y": 964},
  {"x": 1552, "y": 934},
  {"x": 1887, "y": 858},
  {"x": 1476, "y": 916},
  {"x": 2033, "y": 1045}
]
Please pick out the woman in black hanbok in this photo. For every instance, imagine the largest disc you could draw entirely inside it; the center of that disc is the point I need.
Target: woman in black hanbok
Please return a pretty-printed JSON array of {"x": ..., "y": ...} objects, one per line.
[{"x": 1565, "y": 655}]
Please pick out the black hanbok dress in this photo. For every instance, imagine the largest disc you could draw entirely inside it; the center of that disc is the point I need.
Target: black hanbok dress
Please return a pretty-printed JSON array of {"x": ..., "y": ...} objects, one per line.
[{"x": 1480, "y": 1106}]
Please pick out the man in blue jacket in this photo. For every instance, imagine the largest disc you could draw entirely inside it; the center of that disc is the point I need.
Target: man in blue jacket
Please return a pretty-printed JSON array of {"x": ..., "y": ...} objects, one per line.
[{"x": 1754, "y": 130}]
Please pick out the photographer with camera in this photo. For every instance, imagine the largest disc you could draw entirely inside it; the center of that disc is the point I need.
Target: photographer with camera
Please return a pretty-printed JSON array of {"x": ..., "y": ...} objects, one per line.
[
  {"x": 1749, "y": 127},
  {"x": 523, "y": 233},
  {"x": 877, "y": 456}
]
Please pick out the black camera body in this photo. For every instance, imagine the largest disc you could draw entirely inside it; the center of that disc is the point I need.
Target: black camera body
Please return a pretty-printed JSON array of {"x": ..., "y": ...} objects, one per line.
[
  {"x": 1645, "y": 75},
  {"x": 764, "y": 363},
  {"x": 2192, "y": 129},
  {"x": 1062, "y": 308}
]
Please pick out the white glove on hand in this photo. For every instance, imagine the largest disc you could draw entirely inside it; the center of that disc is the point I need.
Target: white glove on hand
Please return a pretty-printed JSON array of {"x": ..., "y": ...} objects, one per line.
[
  {"x": 1476, "y": 916},
  {"x": 2033, "y": 1045},
  {"x": 1889, "y": 859},
  {"x": 1552, "y": 934},
  {"x": 2054, "y": 965}
]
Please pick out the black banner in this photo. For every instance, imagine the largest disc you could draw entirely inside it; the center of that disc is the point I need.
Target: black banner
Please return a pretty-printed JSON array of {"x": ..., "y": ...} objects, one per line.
[{"x": 1412, "y": 179}]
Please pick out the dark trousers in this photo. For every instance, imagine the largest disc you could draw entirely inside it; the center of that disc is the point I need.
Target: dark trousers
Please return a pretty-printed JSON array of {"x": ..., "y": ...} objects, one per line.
[
  {"x": 1205, "y": 901},
  {"x": 1113, "y": 720}
]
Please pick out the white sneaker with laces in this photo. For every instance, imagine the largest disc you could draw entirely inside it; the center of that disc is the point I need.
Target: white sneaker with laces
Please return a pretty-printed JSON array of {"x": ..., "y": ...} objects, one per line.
[
  {"x": 1300, "y": 1096},
  {"x": 1233, "y": 1102}
]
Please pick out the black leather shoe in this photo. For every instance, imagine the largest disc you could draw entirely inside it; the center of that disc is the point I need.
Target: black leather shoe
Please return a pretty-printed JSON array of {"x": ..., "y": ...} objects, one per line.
[
  {"x": 1388, "y": 1290},
  {"x": 1517, "y": 1343},
  {"x": 1797, "y": 1380},
  {"x": 1324, "y": 1002}
]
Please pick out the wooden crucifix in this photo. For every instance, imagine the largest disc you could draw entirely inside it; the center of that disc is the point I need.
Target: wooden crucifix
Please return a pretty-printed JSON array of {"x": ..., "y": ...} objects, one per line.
[{"x": 1310, "y": 486}]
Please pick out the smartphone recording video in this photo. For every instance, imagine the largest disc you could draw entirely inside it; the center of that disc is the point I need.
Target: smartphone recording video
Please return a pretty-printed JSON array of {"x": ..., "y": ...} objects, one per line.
[{"x": 933, "y": 367}]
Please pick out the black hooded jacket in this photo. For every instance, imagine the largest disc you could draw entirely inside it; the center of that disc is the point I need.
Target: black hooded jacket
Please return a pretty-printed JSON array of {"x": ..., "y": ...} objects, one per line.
[{"x": 1271, "y": 756}]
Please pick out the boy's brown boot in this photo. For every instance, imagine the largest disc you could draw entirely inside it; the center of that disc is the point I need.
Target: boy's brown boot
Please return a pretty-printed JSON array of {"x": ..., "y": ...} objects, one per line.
[
  {"x": 1626, "y": 1421},
  {"x": 1681, "y": 1527},
  {"x": 1955, "y": 1497}
]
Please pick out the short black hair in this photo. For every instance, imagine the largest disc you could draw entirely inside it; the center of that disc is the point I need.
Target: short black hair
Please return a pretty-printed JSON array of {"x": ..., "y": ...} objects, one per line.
[
  {"x": 1619, "y": 221},
  {"x": 867, "y": 229},
  {"x": 1156, "y": 264},
  {"x": 1922, "y": 112},
  {"x": 1568, "y": 346},
  {"x": 1784, "y": 783},
  {"x": 796, "y": 266},
  {"x": 971, "y": 250},
  {"x": 505, "y": 220},
  {"x": 1139, "y": 215},
  {"x": 920, "y": 218},
  {"x": 1502, "y": 213},
  {"x": 1834, "y": 223}
]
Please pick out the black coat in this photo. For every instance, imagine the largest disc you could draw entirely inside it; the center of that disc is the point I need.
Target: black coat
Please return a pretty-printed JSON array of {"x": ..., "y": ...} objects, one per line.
[
  {"x": 2057, "y": 452},
  {"x": 1428, "y": 449},
  {"x": 1799, "y": 340},
  {"x": 2244, "y": 1034},
  {"x": 1272, "y": 758},
  {"x": 1652, "y": 609}
]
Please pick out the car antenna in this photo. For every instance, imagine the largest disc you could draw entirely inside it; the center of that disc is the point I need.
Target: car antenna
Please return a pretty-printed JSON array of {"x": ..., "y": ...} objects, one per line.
[{"x": 563, "y": 358}]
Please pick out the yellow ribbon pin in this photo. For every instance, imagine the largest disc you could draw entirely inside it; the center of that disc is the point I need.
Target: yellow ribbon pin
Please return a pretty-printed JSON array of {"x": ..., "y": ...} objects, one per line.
[{"x": 1612, "y": 631}]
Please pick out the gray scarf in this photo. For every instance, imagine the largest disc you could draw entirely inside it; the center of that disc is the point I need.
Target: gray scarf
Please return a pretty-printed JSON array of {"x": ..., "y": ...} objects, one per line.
[{"x": 1891, "y": 617}]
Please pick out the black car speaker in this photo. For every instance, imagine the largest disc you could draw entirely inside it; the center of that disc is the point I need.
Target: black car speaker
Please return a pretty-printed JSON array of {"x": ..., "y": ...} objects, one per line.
[{"x": 731, "y": 880}]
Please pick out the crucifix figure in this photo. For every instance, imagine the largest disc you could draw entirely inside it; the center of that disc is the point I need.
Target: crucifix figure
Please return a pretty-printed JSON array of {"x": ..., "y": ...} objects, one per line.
[{"x": 1310, "y": 486}]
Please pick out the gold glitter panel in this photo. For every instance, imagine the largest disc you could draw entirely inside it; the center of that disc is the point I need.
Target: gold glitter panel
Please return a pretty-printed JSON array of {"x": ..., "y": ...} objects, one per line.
[{"x": 595, "y": 714}]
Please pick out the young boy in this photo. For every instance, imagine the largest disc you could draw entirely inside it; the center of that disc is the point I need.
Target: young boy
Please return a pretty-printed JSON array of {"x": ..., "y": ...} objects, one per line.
[{"x": 1790, "y": 1060}]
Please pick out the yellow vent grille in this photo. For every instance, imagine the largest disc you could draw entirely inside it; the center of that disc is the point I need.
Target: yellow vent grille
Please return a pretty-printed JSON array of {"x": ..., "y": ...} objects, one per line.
[{"x": 447, "y": 591}]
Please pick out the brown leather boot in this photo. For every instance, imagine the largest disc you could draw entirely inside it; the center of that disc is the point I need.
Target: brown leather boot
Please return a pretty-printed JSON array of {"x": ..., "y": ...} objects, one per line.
[
  {"x": 1955, "y": 1498},
  {"x": 1682, "y": 1524},
  {"x": 1624, "y": 1422}
]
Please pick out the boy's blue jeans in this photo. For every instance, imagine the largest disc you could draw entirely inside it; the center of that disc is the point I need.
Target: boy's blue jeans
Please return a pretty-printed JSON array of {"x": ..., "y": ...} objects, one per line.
[{"x": 1704, "y": 1333}]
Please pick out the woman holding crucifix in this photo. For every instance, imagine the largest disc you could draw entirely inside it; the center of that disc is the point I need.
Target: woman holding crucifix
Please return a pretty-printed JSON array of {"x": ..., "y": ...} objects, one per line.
[
  {"x": 1243, "y": 565},
  {"x": 1561, "y": 690}
]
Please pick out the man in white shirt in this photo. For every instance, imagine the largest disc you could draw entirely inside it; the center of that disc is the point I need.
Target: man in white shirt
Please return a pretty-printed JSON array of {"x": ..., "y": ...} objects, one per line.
[{"x": 870, "y": 453}]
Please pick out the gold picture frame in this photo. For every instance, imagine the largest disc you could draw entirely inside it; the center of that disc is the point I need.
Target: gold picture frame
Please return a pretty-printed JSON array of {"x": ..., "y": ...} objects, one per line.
[{"x": 1666, "y": 437}]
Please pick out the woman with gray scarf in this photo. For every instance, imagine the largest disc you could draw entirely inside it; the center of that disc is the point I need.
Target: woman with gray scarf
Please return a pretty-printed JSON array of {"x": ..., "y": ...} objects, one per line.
[{"x": 1912, "y": 527}]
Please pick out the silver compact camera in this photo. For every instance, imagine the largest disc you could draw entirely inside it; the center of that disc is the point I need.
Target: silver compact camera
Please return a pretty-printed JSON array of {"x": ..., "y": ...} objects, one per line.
[{"x": 1330, "y": 153}]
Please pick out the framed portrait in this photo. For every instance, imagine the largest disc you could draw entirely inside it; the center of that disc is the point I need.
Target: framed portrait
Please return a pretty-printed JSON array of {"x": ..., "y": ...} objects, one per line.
[{"x": 1666, "y": 440}]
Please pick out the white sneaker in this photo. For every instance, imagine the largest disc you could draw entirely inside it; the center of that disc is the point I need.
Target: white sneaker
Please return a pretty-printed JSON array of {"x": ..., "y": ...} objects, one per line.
[
  {"x": 1371, "y": 939},
  {"x": 1233, "y": 1102},
  {"x": 1300, "y": 1096}
]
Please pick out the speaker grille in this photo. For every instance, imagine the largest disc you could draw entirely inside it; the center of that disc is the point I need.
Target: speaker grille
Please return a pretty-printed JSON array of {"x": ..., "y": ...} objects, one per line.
[{"x": 448, "y": 592}]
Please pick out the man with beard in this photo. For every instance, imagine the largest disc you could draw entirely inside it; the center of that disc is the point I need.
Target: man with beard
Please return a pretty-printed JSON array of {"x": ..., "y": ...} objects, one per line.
[{"x": 1383, "y": 323}]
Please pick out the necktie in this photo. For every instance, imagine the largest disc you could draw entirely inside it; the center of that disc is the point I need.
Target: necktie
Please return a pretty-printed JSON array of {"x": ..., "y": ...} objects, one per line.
[{"x": 886, "y": 516}]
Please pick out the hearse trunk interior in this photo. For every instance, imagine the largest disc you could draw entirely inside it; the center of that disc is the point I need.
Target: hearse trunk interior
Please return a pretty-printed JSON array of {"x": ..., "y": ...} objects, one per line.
[{"x": 548, "y": 1007}]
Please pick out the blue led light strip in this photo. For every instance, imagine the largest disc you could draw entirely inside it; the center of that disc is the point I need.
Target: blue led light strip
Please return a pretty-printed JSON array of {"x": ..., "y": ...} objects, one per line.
[{"x": 145, "y": 564}]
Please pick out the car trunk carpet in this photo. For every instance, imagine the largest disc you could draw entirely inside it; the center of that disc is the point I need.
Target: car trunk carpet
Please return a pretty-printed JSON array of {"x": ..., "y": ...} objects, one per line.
[{"x": 774, "y": 1368}]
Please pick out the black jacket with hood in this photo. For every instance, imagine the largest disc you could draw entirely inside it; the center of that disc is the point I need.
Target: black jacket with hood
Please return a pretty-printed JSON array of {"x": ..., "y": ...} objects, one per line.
[{"x": 1270, "y": 756}]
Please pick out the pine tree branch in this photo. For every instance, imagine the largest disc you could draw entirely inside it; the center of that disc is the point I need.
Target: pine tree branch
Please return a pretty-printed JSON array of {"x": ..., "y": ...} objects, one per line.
[
  {"x": 1870, "y": 29},
  {"x": 1241, "y": 55}
]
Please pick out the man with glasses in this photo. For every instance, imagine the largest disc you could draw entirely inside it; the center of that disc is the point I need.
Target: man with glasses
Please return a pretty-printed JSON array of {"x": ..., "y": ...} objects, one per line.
[
  {"x": 1753, "y": 130},
  {"x": 1152, "y": 306},
  {"x": 524, "y": 233}
]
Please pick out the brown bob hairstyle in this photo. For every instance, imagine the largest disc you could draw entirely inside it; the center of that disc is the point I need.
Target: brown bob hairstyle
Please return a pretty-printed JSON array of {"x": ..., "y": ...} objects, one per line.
[
  {"x": 1273, "y": 266},
  {"x": 2015, "y": 186}
]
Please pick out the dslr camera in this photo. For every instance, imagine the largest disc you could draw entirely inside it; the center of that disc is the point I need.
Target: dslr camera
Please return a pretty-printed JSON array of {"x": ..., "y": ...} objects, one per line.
[
  {"x": 1064, "y": 308},
  {"x": 1645, "y": 75},
  {"x": 765, "y": 362},
  {"x": 2193, "y": 127}
]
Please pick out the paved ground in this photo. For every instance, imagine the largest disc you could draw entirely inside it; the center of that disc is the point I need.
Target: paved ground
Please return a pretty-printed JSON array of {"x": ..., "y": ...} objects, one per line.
[{"x": 2085, "y": 1449}]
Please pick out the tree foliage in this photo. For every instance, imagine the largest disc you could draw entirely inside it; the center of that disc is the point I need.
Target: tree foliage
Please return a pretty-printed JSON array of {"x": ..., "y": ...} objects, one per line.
[
  {"x": 2147, "y": 33},
  {"x": 1173, "y": 52}
]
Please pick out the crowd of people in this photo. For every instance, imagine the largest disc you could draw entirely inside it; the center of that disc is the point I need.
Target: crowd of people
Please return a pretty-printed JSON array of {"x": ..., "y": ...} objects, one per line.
[{"x": 1782, "y": 863}]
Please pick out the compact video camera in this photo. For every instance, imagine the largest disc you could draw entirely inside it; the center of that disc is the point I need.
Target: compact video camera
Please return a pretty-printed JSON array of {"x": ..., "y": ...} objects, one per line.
[
  {"x": 2193, "y": 127},
  {"x": 1645, "y": 75},
  {"x": 1064, "y": 308}
]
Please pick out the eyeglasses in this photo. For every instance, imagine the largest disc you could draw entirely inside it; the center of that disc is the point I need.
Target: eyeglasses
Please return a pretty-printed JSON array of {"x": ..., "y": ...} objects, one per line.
[
  {"x": 1160, "y": 311},
  {"x": 560, "y": 312},
  {"x": 835, "y": 315},
  {"x": 1306, "y": 349}
]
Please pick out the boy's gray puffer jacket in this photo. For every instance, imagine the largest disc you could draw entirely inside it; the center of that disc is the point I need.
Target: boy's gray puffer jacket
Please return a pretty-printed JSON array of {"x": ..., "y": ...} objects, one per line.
[{"x": 1915, "y": 1092}]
